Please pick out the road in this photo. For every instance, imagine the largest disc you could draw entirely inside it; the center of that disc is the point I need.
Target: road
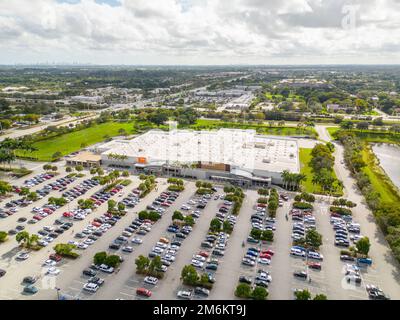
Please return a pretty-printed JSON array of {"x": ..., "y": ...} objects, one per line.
[
  {"x": 16, "y": 133},
  {"x": 386, "y": 269}
]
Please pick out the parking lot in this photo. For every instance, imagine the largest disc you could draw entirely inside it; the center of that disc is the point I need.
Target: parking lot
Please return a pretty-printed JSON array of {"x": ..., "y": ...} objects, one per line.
[{"x": 123, "y": 282}]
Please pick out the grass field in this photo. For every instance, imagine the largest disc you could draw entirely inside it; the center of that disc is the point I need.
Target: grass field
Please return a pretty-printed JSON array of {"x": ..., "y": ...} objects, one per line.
[
  {"x": 206, "y": 124},
  {"x": 332, "y": 131},
  {"x": 379, "y": 180},
  {"x": 305, "y": 158},
  {"x": 73, "y": 141}
]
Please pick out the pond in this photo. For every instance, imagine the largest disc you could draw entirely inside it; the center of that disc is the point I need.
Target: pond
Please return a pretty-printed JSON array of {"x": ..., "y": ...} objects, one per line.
[{"x": 389, "y": 158}]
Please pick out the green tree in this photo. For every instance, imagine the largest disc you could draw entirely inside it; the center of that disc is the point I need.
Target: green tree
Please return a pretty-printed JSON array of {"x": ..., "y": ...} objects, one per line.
[
  {"x": 215, "y": 225},
  {"x": 189, "y": 275},
  {"x": 66, "y": 250},
  {"x": 5, "y": 187},
  {"x": 3, "y": 236},
  {"x": 243, "y": 290},
  {"x": 177, "y": 215},
  {"x": 142, "y": 263},
  {"x": 112, "y": 261},
  {"x": 302, "y": 294},
  {"x": 259, "y": 293},
  {"x": 111, "y": 204},
  {"x": 313, "y": 238},
  {"x": 100, "y": 257},
  {"x": 363, "y": 245},
  {"x": 320, "y": 296},
  {"x": 189, "y": 220}
]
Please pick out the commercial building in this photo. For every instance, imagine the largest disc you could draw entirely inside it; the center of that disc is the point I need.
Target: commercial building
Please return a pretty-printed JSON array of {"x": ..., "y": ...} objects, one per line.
[{"x": 228, "y": 155}]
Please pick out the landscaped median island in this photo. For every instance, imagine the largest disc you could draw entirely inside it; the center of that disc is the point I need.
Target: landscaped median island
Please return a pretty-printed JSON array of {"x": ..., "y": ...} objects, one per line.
[{"x": 317, "y": 168}]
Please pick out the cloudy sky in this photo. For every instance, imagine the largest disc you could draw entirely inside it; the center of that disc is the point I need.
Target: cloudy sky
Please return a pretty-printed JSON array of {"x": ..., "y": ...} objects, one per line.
[{"x": 199, "y": 31}]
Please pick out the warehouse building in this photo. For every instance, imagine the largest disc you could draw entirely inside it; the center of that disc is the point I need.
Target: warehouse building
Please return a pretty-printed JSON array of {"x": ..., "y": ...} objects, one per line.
[{"x": 228, "y": 155}]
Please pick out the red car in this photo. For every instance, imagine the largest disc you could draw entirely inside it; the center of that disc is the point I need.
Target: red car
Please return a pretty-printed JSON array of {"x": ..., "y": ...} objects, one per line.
[
  {"x": 55, "y": 257},
  {"x": 96, "y": 224},
  {"x": 67, "y": 214},
  {"x": 269, "y": 251},
  {"x": 266, "y": 256},
  {"x": 143, "y": 292},
  {"x": 37, "y": 217},
  {"x": 204, "y": 254},
  {"x": 315, "y": 265}
]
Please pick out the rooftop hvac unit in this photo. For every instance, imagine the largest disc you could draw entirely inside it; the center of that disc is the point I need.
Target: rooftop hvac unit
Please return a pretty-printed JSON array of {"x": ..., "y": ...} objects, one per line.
[{"x": 267, "y": 160}]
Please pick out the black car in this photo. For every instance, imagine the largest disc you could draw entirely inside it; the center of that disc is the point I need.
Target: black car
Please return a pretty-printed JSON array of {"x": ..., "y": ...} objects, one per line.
[
  {"x": 12, "y": 232},
  {"x": 29, "y": 280},
  {"x": 80, "y": 235},
  {"x": 89, "y": 272},
  {"x": 346, "y": 258},
  {"x": 245, "y": 279},
  {"x": 114, "y": 246},
  {"x": 58, "y": 221},
  {"x": 59, "y": 231},
  {"x": 2, "y": 272},
  {"x": 300, "y": 274},
  {"x": 22, "y": 219},
  {"x": 180, "y": 235}
]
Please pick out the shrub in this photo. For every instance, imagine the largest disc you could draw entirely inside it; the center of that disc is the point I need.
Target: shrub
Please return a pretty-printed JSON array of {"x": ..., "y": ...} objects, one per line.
[
  {"x": 302, "y": 205},
  {"x": 340, "y": 210},
  {"x": 243, "y": 290}
]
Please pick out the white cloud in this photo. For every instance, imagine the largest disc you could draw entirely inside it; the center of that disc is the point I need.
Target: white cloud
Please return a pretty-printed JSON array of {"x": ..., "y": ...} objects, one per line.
[{"x": 198, "y": 31}]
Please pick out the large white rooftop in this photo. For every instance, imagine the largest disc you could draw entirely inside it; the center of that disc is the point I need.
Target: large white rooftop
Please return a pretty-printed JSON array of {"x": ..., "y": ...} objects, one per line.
[{"x": 238, "y": 148}]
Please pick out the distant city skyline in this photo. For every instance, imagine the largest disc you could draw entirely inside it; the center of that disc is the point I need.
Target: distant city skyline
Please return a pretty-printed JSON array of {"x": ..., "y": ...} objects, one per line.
[{"x": 199, "y": 32}]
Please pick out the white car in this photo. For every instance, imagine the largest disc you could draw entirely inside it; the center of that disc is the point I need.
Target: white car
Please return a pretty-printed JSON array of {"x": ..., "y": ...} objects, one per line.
[
  {"x": 53, "y": 271},
  {"x": 22, "y": 256},
  {"x": 184, "y": 294},
  {"x": 42, "y": 243},
  {"x": 151, "y": 280},
  {"x": 161, "y": 245},
  {"x": 169, "y": 257},
  {"x": 88, "y": 242},
  {"x": 90, "y": 287},
  {"x": 49, "y": 263},
  {"x": 264, "y": 261},
  {"x": 137, "y": 241},
  {"x": 315, "y": 255},
  {"x": 197, "y": 263},
  {"x": 127, "y": 234},
  {"x": 158, "y": 250},
  {"x": 127, "y": 249},
  {"x": 199, "y": 257},
  {"x": 75, "y": 243},
  {"x": 105, "y": 268},
  {"x": 82, "y": 246}
]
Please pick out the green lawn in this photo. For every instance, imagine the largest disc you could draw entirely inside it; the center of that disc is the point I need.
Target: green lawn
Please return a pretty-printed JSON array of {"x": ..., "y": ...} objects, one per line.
[
  {"x": 332, "y": 131},
  {"x": 379, "y": 180},
  {"x": 72, "y": 142},
  {"x": 305, "y": 158},
  {"x": 206, "y": 124}
]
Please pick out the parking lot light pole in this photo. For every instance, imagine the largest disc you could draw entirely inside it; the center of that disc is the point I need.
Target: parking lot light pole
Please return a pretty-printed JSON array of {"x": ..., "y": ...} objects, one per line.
[{"x": 58, "y": 293}]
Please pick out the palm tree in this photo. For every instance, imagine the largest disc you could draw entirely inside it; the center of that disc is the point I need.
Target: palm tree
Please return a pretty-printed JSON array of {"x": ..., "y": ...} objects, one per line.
[{"x": 285, "y": 178}]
